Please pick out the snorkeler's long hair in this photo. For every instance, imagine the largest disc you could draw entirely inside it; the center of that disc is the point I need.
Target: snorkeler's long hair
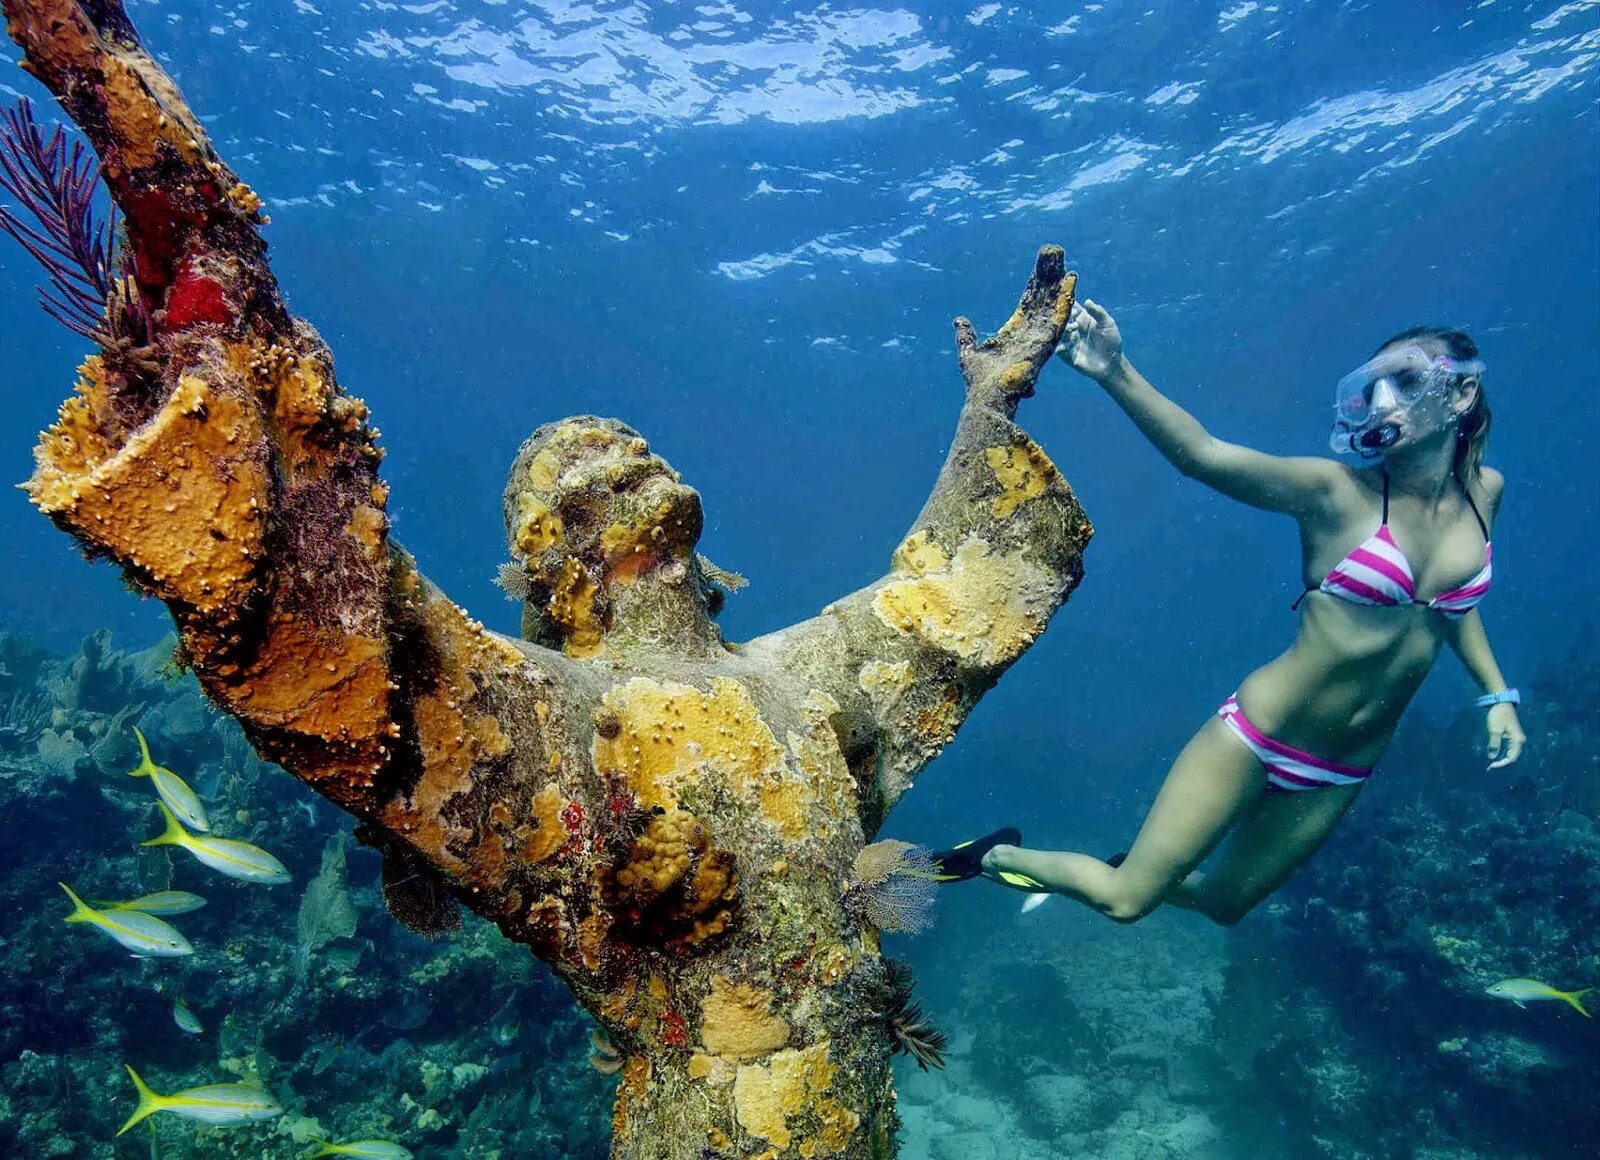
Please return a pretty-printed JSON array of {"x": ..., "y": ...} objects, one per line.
[{"x": 1472, "y": 429}]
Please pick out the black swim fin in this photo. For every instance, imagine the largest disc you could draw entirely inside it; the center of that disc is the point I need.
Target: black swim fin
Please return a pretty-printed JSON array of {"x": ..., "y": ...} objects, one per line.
[{"x": 965, "y": 860}]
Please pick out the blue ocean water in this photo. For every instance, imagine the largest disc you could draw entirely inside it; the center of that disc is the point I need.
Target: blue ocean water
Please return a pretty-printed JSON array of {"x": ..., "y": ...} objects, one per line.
[{"x": 744, "y": 229}]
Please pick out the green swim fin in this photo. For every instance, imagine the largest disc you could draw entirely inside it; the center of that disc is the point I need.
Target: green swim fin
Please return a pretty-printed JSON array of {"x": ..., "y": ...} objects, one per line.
[
  {"x": 1022, "y": 881},
  {"x": 965, "y": 860}
]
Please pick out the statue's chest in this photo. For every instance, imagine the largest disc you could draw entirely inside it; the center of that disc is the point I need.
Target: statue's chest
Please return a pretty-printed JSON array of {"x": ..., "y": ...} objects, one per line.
[{"x": 672, "y": 744}]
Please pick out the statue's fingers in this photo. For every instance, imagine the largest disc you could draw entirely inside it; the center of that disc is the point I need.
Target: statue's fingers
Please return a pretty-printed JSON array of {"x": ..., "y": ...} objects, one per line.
[
  {"x": 965, "y": 338},
  {"x": 1049, "y": 268}
]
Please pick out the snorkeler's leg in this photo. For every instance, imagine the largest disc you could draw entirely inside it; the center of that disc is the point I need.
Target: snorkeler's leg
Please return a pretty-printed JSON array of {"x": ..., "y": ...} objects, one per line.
[
  {"x": 1211, "y": 784},
  {"x": 1271, "y": 842}
]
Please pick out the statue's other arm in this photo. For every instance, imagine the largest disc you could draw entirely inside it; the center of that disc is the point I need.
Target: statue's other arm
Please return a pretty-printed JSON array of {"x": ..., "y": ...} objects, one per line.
[
  {"x": 995, "y": 551},
  {"x": 210, "y": 453}
]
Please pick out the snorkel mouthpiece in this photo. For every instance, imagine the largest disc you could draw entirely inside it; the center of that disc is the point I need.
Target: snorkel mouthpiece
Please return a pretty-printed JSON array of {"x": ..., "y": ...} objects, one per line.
[{"x": 1381, "y": 436}]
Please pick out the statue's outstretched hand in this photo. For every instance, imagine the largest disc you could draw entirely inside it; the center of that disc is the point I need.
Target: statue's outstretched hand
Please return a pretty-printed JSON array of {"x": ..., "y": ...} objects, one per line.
[
  {"x": 1092, "y": 343},
  {"x": 1002, "y": 370}
]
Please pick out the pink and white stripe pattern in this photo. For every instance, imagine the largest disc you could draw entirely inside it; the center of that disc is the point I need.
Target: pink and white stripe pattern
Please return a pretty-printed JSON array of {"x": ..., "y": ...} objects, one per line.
[
  {"x": 1457, "y": 602},
  {"x": 1287, "y": 768},
  {"x": 1376, "y": 572}
]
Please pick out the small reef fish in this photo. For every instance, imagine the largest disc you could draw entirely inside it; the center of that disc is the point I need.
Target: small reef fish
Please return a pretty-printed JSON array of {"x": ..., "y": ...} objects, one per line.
[
  {"x": 215, "y": 1103},
  {"x": 225, "y": 855},
  {"x": 161, "y": 902},
  {"x": 1521, "y": 991},
  {"x": 171, "y": 788},
  {"x": 365, "y": 1150},
  {"x": 1035, "y": 901},
  {"x": 143, "y": 934},
  {"x": 186, "y": 1019}
]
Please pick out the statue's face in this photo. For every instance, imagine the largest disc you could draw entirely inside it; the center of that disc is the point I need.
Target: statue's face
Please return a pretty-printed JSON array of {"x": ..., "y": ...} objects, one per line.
[{"x": 590, "y": 489}]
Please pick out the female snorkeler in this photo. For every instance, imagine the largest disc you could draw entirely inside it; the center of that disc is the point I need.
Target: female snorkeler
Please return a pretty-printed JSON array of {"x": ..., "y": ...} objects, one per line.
[{"x": 1396, "y": 557}]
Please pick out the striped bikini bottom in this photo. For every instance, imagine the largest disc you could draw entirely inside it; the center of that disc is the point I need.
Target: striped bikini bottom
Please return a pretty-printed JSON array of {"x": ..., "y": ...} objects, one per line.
[{"x": 1287, "y": 768}]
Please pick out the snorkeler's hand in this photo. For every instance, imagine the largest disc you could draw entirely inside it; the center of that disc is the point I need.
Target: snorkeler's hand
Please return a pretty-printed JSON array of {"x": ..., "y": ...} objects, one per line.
[
  {"x": 1092, "y": 343},
  {"x": 1506, "y": 737}
]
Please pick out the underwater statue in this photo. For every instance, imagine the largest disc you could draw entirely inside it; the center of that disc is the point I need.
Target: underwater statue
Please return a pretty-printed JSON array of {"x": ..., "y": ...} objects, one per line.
[{"x": 667, "y": 819}]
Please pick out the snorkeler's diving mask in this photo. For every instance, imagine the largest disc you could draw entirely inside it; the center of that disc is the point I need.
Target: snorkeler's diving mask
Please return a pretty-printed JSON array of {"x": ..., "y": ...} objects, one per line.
[{"x": 1369, "y": 401}]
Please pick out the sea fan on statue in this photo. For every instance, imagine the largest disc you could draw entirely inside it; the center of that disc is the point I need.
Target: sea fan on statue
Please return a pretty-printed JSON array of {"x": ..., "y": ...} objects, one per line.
[
  {"x": 892, "y": 887},
  {"x": 56, "y": 184}
]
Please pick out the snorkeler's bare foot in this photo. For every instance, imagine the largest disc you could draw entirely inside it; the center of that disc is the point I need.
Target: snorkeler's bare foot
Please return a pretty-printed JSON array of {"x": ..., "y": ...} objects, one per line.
[{"x": 1002, "y": 370}]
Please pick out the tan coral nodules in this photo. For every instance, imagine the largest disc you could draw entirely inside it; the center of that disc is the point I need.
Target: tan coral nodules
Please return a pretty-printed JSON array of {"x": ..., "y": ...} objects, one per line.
[{"x": 674, "y": 888}]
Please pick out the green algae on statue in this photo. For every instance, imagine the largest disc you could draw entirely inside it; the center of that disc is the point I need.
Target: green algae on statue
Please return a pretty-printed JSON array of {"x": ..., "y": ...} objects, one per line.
[{"x": 667, "y": 819}]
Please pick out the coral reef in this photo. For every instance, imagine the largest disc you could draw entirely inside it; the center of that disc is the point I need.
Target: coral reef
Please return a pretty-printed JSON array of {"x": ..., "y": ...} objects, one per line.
[
  {"x": 1078, "y": 1042},
  {"x": 355, "y": 1025},
  {"x": 656, "y": 813}
]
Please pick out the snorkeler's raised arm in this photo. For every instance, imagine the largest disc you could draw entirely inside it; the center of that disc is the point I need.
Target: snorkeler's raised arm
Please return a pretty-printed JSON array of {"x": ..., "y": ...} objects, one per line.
[
  {"x": 994, "y": 552},
  {"x": 1296, "y": 485}
]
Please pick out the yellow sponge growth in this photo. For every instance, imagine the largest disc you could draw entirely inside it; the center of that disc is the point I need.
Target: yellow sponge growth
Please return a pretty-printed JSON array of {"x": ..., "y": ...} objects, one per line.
[{"x": 985, "y": 607}]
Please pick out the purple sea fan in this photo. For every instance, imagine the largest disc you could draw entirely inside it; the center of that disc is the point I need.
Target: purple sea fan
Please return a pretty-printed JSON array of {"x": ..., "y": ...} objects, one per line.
[
  {"x": 893, "y": 886},
  {"x": 57, "y": 187}
]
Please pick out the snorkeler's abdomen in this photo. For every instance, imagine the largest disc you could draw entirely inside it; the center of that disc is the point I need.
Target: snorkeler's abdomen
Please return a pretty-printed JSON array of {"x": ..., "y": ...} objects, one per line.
[{"x": 1341, "y": 688}]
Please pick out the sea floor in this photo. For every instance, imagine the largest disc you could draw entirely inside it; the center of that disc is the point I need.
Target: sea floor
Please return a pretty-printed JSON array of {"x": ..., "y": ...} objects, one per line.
[{"x": 1080, "y": 1039}]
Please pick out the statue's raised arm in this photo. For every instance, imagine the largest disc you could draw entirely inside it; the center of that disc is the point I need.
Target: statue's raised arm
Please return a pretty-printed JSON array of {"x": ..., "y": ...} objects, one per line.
[
  {"x": 668, "y": 821},
  {"x": 994, "y": 552}
]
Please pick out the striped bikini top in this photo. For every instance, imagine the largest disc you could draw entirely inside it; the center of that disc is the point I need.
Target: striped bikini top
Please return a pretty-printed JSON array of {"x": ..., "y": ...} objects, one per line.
[{"x": 1377, "y": 572}]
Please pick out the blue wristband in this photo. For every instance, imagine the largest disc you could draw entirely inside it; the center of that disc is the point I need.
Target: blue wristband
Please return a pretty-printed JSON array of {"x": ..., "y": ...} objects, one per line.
[{"x": 1503, "y": 697}]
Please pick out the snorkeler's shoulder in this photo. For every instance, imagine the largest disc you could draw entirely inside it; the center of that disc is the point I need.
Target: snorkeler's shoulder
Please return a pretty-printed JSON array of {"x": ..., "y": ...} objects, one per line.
[
  {"x": 1492, "y": 484},
  {"x": 1352, "y": 487}
]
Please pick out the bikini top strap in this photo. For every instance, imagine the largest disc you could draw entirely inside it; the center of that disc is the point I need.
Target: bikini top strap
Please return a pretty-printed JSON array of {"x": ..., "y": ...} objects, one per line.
[
  {"x": 1386, "y": 495},
  {"x": 1467, "y": 495}
]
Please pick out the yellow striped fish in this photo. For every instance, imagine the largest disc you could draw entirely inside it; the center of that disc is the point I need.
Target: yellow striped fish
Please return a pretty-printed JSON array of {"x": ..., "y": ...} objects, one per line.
[
  {"x": 365, "y": 1150},
  {"x": 188, "y": 1022},
  {"x": 161, "y": 902},
  {"x": 143, "y": 934},
  {"x": 1521, "y": 991},
  {"x": 170, "y": 788},
  {"x": 225, "y": 855},
  {"x": 215, "y": 1103}
]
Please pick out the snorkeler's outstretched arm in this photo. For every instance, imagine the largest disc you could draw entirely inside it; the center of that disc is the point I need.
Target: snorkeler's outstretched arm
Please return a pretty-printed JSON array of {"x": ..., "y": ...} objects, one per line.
[
  {"x": 995, "y": 551},
  {"x": 1301, "y": 486}
]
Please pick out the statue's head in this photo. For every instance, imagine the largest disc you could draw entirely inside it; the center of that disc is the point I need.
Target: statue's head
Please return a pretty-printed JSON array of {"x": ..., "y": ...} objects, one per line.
[{"x": 592, "y": 520}]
